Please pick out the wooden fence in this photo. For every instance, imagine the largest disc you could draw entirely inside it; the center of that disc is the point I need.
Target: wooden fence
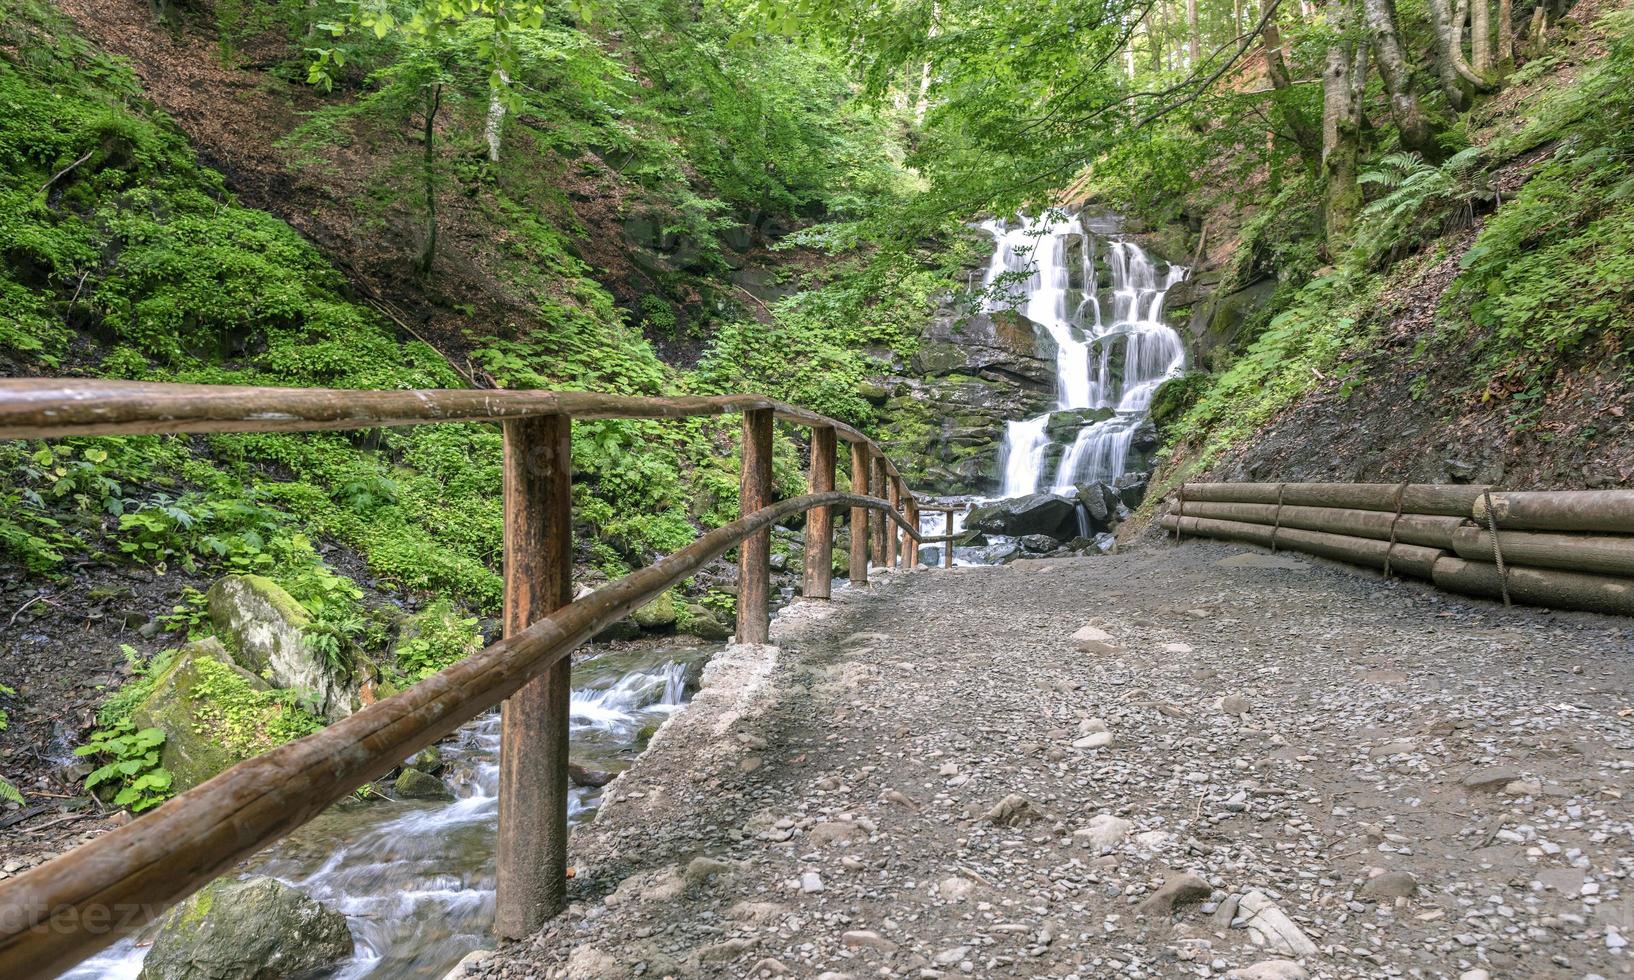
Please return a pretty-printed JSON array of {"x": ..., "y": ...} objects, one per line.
[
  {"x": 1567, "y": 549},
  {"x": 63, "y": 911}
]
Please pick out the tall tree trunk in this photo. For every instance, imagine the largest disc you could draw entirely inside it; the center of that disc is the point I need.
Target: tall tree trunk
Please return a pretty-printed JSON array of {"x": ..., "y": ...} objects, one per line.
[
  {"x": 1194, "y": 43},
  {"x": 1414, "y": 125},
  {"x": 1343, "y": 83},
  {"x": 494, "y": 129},
  {"x": 434, "y": 102},
  {"x": 1448, "y": 45},
  {"x": 1506, "y": 33},
  {"x": 1304, "y": 135},
  {"x": 1480, "y": 36}
]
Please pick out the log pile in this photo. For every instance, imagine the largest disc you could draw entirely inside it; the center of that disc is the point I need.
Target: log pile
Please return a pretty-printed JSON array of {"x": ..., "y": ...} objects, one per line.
[{"x": 1565, "y": 549}]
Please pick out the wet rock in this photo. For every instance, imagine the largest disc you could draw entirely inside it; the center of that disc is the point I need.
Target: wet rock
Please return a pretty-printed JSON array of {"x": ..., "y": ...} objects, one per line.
[
  {"x": 1180, "y": 889},
  {"x": 701, "y": 621},
  {"x": 588, "y": 778},
  {"x": 268, "y": 630},
  {"x": 428, "y": 760},
  {"x": 412, "y": 784},
  {"x": 1038, "y": 544},
  {"x": 1040, "y": 513},
  {"x": 255, "y": 929}
]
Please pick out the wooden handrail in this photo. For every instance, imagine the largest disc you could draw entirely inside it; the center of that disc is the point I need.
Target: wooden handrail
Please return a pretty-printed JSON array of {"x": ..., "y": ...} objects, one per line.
[
  {"x": 56, "y": 914},
  {"x": 52, "y": 408}
]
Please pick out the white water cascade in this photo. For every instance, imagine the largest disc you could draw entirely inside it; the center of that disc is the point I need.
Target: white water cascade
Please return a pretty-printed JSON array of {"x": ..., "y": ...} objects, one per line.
[{"x": 1112, "y": 350}]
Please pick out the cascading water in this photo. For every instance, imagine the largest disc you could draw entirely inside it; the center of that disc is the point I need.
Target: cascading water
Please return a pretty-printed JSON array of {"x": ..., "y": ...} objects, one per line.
[
  {"x": 1109, "y": 357},
  {"x": 416, "y": 879}
]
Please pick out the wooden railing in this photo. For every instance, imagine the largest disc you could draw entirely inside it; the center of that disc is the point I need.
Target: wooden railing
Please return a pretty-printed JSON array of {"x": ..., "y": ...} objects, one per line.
[{"x": 63, "y": 911}]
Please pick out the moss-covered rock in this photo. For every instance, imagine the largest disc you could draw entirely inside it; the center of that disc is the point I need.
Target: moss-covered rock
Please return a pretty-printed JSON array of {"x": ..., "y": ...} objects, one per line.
[
  {"x": 702, "y": 622},
  {"x": 191, "y": 751},
  {"x": 657, "y": 616},
  {"x": 412, "y": 784},
  {"x": 255, "y": 929},
  {"x": 266, "y": 630}
]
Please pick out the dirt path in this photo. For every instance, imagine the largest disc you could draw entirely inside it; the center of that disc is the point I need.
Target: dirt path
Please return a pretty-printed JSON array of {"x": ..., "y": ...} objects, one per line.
[{"x": 911, "y": 787}]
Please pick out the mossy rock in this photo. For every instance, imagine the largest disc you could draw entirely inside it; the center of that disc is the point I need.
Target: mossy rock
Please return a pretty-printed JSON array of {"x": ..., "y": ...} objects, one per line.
[
  {"x": 266, "y": 629},
  {"x": 412, "y": 784},
  {"x": 192, "y": 751},
  {"x": 1174, "y": 397},
  {"x": 255, "y": 929},
  {"x": 702, "y": 622},
  {"x": 657, "y": 616}
]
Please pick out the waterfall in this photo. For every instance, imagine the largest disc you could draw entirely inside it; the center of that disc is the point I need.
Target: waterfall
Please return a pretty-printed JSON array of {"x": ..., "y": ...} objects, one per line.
[{"x": 1110, "y": 358}]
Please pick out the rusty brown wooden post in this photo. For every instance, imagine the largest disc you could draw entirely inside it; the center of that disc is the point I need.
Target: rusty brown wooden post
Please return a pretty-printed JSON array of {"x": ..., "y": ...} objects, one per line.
[
  {"x": 538, "y": 482},
  {"x": 859, "y": 515},
  {"x": 893, "y": 493},
  {"x": 820, "y": 521},
  {"x": 754, "y": 554},
  {"x": 876, "y": 517},
  {"x": 947, "y": 529}
]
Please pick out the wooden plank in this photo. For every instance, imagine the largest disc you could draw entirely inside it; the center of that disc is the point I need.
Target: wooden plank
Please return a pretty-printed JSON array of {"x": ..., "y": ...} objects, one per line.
[
  {"x": 947, "y": 532},
  {"x": 859, "y": 515},
  {"x": 532, "y": 848},
  {"x": 754, "y": 555},
  {"x": 58, "y": 913},
  {"x": 819, "y": 550}
]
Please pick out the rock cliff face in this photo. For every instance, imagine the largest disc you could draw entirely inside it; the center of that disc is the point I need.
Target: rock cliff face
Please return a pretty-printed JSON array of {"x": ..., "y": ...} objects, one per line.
[{"x": 945, "y": 414}]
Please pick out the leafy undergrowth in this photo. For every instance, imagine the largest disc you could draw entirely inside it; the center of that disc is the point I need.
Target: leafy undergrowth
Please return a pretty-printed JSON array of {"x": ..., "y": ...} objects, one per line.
[{"x": 1545, "y": 288}]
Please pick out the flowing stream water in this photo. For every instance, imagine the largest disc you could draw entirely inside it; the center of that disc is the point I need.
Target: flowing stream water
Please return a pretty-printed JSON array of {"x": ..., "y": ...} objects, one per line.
[
  {"x": 415, "y": 879},
  {"x": 1112, "y": 348}
]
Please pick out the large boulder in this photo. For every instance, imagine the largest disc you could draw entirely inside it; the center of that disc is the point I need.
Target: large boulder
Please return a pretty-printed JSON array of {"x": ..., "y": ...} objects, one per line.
[
  {"x": 1039, "y": 513},
  {"x": 193, "y": 749},
  {"x": 657, "y": 616},
  {"x": 267, "y": 629},
  {"x": 255, "y": 929}
]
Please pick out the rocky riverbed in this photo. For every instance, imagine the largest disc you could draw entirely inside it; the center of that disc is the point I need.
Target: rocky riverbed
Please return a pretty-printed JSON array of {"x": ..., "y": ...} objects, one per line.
[{"x": 1192, "y": 761}]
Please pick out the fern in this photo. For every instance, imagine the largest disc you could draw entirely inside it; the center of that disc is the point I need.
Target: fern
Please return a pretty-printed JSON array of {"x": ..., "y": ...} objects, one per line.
[{"x": 1420, "y": 201}]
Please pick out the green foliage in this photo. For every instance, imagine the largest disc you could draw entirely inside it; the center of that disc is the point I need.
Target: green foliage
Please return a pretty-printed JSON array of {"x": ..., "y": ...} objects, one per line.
[
  {"x": 437, "y": 638},
  {"x": 243, "y": 719},
  {"x": 131, "y": 765},
  {"x": 1419, "y": 202}
]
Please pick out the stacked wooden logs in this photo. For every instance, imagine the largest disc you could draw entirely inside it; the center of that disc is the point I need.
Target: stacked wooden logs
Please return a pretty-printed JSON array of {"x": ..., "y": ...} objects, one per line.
[{"x": 1566, "y": 549}]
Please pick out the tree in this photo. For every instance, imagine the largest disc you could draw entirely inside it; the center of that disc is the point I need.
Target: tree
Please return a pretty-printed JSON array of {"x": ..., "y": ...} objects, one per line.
[
  {"x": 1411, "y": 121},
  {"x": 434, "y": 45},
  {"x": 1303, "y": 134},
  {"x": 1343, "y": 84}
]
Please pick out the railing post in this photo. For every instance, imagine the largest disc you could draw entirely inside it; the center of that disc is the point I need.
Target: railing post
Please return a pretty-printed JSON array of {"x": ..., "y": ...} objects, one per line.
[
  {"x": 859, "y": 515},
  {"x": 893, "y": 493},
  {"x": 947, "y": 529},
  {"x": 910, "y": 539},
  {"x": 876, "y": 517},
  {"x": 754, "y": 554},
  {"x": 538, "y": 481},
  {"x": 820, "y": 520}
]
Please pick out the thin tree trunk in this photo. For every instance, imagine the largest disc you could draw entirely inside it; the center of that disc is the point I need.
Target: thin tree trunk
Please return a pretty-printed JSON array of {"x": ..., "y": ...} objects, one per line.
[
  {"x": 1480, "y": 36},
  {"x": 1506, "y": 32},
  {"x": 494, "y": 130},
  {"x": 1304, "y": 136},
  {"x": 1414, "y": 125},
  {"x": 1342, "y": 85},
  {"x": 434, "y": 101},
  {"x": 1194, "y": 43}
]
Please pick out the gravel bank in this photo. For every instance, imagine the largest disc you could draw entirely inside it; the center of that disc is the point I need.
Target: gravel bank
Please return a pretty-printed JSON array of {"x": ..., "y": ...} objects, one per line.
[{"x": 1248, "y": 765}]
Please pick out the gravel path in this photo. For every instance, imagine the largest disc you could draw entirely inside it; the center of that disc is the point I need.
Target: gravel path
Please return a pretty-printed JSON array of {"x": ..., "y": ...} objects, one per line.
[{"x": 1260, "y": 766}]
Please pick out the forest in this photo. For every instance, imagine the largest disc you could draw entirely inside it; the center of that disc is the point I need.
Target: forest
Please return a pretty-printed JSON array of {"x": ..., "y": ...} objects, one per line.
[{"x": 1399, "y": 236}]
